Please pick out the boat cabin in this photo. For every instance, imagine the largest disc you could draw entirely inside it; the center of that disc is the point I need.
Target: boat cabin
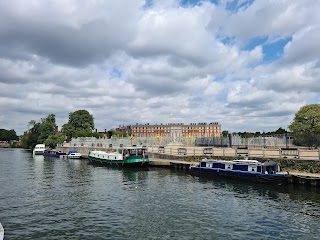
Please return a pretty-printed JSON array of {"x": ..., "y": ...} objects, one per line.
[
  {"x": 242, "y": 165},
  {"x": 39, "y": 149},
  {"x": 132, "y": 151}
]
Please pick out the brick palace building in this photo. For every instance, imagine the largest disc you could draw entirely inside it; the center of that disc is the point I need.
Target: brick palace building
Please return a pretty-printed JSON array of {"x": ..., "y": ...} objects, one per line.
[{"x": 173, "y": 130}]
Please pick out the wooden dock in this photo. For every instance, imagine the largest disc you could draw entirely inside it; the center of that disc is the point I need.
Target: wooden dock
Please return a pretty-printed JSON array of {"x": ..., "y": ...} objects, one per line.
[{"x": 184, "y": 165}]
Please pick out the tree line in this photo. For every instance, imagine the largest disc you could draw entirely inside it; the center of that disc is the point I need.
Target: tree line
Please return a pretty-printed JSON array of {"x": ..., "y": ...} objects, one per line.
[
  {"x": 256, "y": 134},
  {"x": 80, "y": 124},
  {"x": 8, "y": 135}
]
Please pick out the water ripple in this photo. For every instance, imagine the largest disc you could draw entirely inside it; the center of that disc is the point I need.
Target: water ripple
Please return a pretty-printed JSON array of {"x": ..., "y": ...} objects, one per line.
[{"x": 47, "y": 198}]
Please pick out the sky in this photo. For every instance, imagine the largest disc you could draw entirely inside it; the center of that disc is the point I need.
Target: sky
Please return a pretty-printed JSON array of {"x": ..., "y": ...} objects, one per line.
[{"x": 248, "y": 65}]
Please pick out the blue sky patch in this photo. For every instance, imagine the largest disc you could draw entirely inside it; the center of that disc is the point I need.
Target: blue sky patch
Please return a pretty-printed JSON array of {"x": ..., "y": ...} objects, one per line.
[
  {"x": 116, "y": 73},
  {"x": 190, "y": 3},
  {"x": 254, "y": 42},
  {"x": 228, "y": 40},
  {"x": 274, "y": 51},
  {"x": 148, "y": 4},
  {"x": 233, "y": 6}
]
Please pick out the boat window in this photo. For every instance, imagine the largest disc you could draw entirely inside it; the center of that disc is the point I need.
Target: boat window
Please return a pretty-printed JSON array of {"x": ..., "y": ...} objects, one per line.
[
  {"x": 228, "y": 166},
  {"x": 252, "y": 168},
  {"x": 133, "y": 151},
  {"x": 209, "y": 165}
]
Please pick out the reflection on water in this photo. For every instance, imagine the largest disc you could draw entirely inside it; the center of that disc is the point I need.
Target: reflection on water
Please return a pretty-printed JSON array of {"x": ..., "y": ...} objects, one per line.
[
  {"x": 52, "y": 198},
  {"x": 134, "y": 174}
]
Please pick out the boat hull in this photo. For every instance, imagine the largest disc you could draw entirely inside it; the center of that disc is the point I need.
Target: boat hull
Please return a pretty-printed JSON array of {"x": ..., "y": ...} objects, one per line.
[
  {"x": 129, "y": 162},
  {"x": 37, "y": 152},
  {"x": 74, "y": 156},
  {"x": 277, "y": 179}
]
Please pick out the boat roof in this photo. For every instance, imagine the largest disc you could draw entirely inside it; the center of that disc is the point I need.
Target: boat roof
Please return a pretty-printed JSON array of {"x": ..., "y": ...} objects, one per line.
[
  {"x": 236, "y": 161},
  {"x": 132, "y": 148},
  {"x": 240, "y": 162},
  {"x": 73, "y": 151},
  {"x": 40, "y": 145},
  {"x": 246, "y": 161}
]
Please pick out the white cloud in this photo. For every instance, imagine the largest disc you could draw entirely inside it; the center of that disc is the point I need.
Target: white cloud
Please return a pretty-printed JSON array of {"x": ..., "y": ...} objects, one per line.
[
  {"x": 126, "y": 62},
  {"x": 304, "y": 46}
]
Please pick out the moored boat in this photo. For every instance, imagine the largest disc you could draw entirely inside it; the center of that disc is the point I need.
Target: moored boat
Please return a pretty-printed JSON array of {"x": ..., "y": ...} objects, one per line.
[
  {"x": 53, "y": 153},
  {"x": 74, "y": 154},
  {"x": 39, "y": 149},
  {"x": 122, "y": 157},
  {"x": 1, "y": 232},
  {"x": 267, "y": 172}
]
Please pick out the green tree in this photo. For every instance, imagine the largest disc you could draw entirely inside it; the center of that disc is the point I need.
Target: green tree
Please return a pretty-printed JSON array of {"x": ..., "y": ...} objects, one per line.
[
  {"x": 81, "y": 120},
  {"x": 280, "y": 131},
  {"x": 53, "y": 140},
  {"x": 47, "y": 128},
  {"x": 8, "y": 135},
  {"x": 225, "y": 133},
  {"x": 114, "y": 133},
  {"x": 305, "y": 127},
  {"x": 31, "y": 138},
  {"x": 39, "y": 131},
  {"x": 68, "y": 130},
  {"x": 80, "y": 124}
]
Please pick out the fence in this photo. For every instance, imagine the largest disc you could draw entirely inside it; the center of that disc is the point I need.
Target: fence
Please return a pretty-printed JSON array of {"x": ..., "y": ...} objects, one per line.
[
  {"x": 253, "y": 142},
  {"x": 230, "y": 141},
  {"x": 290, "y": 153}
]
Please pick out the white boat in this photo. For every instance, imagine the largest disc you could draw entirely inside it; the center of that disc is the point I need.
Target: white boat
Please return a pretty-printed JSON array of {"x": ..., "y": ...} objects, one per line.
[
  {"x": 1, "y": 232},
  {"x": 74, "y": 154},
  {"x": 39, "y": 149}
]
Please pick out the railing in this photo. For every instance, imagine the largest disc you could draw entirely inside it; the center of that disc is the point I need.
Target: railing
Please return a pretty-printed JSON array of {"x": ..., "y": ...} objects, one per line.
[{"x": 290, "y": 153}]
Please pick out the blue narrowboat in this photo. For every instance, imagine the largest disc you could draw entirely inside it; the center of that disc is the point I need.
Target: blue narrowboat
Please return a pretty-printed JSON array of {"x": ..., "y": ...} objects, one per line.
[
  {"x": 53, "y": 153},
  {"x": 267, "y": 172}
]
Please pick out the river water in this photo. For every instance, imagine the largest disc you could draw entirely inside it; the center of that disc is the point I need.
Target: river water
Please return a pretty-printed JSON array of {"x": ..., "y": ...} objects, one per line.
[{"x": 49, "y": 198}]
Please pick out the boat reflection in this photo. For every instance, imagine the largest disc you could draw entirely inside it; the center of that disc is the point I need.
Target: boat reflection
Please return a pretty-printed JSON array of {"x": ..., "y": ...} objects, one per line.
[
  {"x": 38, "y": 157},
  {"x": 134, "y": 174}
]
